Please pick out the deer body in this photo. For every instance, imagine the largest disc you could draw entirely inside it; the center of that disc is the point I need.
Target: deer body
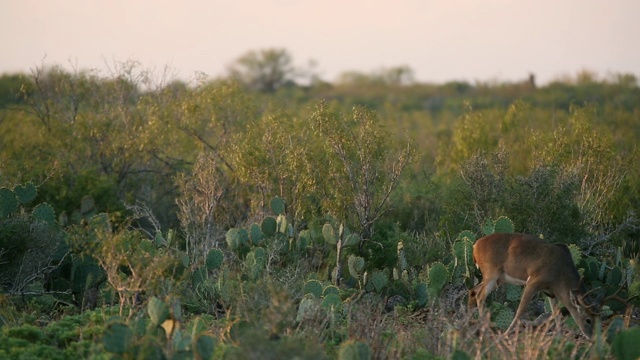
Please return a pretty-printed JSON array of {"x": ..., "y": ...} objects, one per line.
[{"x": 537, "y": 265}]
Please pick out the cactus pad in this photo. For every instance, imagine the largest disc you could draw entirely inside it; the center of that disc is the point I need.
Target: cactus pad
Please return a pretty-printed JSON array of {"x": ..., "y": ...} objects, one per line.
[
  {"x": 313, "y": 287},
  {"x": 44, "y": 212},
  {"x": 504, "y": 225},
  {"x": 158, "y": 311},
  {"x": 236, "y": 238},
  {"x": 467, "y": 234},
  {"x": 331, "y": 301},
  {"x": 277, "y": 205},
  {"x": 378, "y": 280},
  {"x": 329, "y": 234},
  {"x": 356, "y": 266},
  {"x": 204, "y": 347},
  {"x": 331, "y": 289},
  {"x": 215, "y": 257},
  {"x": 269, "y": 226},
  {"x": 25, "y": 193},
  {"x": 503, "y": 318},
  {"x": 488, "y": 228},
  {"x": 255, "y": 234},
  {"x": 117, "y": 338},
  {"x": 576, "y": 253},
  {"x": 8, "y": 202}
]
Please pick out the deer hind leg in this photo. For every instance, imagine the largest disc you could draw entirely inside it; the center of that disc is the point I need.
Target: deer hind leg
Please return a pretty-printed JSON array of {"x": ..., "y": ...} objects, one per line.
[
  {"x": 481, "y": 291},
  {"x": 529, "y": 290}
]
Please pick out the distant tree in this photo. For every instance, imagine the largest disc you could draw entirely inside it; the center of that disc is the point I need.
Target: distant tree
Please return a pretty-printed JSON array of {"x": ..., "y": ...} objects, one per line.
[
  {"x": 264, "y": 70},
  {"x": 10, "y": 85},
  {"x": 397, "y": 75}
]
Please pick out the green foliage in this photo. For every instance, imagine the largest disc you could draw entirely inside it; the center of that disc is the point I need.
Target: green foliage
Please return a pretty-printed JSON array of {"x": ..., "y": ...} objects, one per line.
[
  {"x": 625, "y": 344},
  {"x": 354, "y": 350}
]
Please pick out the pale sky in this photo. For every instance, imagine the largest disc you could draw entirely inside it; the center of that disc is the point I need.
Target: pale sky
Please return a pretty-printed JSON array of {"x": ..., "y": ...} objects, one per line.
[{"x": 441, "y": 40}]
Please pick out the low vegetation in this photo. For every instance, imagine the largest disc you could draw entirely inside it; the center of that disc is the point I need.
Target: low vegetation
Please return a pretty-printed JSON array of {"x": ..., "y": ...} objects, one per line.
[{"x": 234, "y": 219}]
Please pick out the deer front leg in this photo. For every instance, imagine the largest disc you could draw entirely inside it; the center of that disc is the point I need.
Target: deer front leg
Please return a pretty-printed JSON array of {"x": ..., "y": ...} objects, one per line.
[{"x": 527, "y": 294}]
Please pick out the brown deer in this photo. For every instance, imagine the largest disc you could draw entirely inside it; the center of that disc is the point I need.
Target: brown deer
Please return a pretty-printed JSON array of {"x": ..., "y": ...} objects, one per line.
[{"x": 537, "y": 265}]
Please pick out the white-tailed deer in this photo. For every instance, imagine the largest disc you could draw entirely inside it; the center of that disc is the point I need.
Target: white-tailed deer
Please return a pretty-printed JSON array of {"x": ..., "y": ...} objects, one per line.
[{"x": 537, "y": 265}]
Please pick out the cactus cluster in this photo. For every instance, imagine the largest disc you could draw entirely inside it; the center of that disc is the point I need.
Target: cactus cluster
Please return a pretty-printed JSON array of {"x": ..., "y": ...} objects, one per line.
[
  {"x": 316, "y": 296},
  {"x": 343, "y": 238},
  {"x": 501, "y": 225},
  {"x": 255, "y": 262}
]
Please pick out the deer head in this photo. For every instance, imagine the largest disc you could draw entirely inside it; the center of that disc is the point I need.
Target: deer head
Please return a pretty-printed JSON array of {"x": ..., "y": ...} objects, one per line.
[{"x": 537, "y": 265}]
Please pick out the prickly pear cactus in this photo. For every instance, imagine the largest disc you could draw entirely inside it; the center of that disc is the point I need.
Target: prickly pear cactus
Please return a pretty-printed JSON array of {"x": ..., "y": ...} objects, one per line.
[
  {"x": 255, "y": 234},
  {"x": 488, "y": 228},
  {"x": 514, "y": 292},
  {"x": 8, "y": 202},
  {"x": 356, "y": 266},
  {"x": 438, "y": 276},
  {"x": 158, "y": 311},
  {"x": 283, "y": 225},
  {"x": 215, "y": 257},
  {"x": 351, "y": 240},
  {"x": 467, "y": 234},
  {"x": 313, "y": 287},
  {"x": 354, "y": 350},
  {"x": 576, "y": 253},
  {"x": 269, "y": 226},
  {"x": 44, "y": 212},
  {"x": 117, "y": 338},
  {"x": 330, "y": 289},
  {"x": 277, "y": 205},
  {"x": 625, "y": 344},
  {"x": 307, "y": 307},
  {"x": 236, "y": 238},
  {"x": 614, "y": 276},
  {"x": 402, "y": 258},
  {"x": 421, "y": 293},
  {"x": 378, "y": 280},
  {"x": 204, "y": 346},
  {"x": 329, "y": 234},
  {"x": 504, "y": 317},
  {"x": 331, "y": 301},
  {"x": 25, "y": 193},
  {"x": 304, "y": 239},
  {"x": 504, "y": 225}
]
